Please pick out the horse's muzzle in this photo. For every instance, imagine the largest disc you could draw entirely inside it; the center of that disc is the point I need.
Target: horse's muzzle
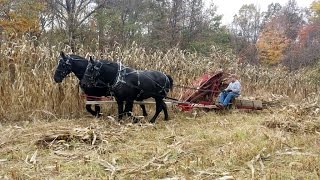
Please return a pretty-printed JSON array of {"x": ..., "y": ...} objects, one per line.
[
  {"x": 87, "y": 83},
  {"x": 84, "y": 84},
  {"x": 57, "y": 79}
]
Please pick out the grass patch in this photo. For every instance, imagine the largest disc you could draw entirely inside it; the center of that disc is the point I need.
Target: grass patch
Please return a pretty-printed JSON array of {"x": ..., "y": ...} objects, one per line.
[{"x": 209, "y": 146}]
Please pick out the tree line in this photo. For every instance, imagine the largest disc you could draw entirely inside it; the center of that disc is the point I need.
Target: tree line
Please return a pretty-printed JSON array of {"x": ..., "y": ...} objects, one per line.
[{"x": 286, "y": 35}]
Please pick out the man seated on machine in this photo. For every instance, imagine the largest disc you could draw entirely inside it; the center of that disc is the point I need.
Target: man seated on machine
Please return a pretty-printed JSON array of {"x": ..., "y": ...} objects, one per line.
[{"x": 232, "y": 91}]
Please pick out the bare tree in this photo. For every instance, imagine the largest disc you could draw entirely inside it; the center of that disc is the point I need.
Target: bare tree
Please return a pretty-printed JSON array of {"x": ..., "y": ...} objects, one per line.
[
  {"x": 175, "y": 21},
  {"x": 246, "y": 27},
  {"x": 293, "y": 18},
  {"x": 274, "y": 9},
  {"x": 248, "y": 22},
  {"x": 73, "y": 13}
]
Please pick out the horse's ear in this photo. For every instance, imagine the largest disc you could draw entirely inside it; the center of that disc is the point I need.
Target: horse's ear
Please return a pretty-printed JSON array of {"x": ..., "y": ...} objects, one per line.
[
  {"x": 91, "y": 59},
  {"x": 62, "y": 55}
]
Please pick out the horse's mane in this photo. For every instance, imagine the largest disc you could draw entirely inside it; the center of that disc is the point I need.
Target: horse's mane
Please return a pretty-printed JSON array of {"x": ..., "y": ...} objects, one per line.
[{"x": 76, "y": 57}]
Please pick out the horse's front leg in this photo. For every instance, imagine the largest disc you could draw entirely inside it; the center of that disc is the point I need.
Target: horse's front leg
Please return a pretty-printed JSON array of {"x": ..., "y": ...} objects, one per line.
[
  {"x": 128, "y": 110},
  {"x": 165, "y": 110},
  {"x": 120, "y": 109},
  {"x": 158, "y": 110}
]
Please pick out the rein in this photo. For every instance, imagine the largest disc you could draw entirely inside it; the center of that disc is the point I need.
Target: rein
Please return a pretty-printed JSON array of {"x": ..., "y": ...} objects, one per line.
[
  {"x": 121, "y": 73},
  {"x": 194, "y": 88},
  {"x": 162, "y": 87}
]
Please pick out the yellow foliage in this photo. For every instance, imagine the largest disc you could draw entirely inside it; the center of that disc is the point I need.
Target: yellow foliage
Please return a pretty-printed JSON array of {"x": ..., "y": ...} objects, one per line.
[
  {"x": 271, "y": 44},
  {"x": 315, "y": 8},
  {"x": 21, "y": 16}
]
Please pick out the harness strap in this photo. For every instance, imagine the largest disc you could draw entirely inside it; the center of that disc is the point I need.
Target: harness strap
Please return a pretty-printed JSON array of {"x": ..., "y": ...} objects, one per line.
[
  {"x": 138, "y": 78},
  {"x": 97, "y": 68},
  {"x": 120, "y": 76},
  {"x": 140, "y": 93}
]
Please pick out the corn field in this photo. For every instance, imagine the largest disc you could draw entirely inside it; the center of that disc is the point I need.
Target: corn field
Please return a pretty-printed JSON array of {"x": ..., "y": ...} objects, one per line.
[{"x": 27, "y": 89}]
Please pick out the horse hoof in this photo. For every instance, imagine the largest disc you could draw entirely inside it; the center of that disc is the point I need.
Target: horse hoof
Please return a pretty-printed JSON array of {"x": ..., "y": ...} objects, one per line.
[
  {"x": 152, "y": 121},
  {"x": 98, "y": 115},
  {"x": 121, "y": 121},
  {"x": 135, "y": 120}
]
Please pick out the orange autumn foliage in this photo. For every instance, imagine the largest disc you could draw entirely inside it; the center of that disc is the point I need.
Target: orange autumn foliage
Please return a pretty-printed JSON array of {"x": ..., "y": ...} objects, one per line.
[{"x": 272, "y": 42}]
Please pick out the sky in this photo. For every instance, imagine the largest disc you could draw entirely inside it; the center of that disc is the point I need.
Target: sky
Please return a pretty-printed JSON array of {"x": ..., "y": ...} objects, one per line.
[{"x": 228, "y": 8}]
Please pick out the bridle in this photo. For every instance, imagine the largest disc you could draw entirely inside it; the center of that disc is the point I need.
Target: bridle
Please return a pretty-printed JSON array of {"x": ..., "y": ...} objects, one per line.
[{"x": 66, "y": 67}]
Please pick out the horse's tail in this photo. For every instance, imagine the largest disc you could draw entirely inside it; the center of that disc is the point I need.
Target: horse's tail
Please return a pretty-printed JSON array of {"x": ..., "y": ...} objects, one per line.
[{"x": 171, "y": 82}]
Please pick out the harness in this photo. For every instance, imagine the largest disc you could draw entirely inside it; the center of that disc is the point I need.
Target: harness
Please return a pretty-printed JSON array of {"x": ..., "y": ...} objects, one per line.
[
  {"x": 122, "y": 72},
  {"x": 121, "y": 79}
]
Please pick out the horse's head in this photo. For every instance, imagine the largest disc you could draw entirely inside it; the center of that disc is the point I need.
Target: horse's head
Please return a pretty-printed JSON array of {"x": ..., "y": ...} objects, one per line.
[
  {"x": 92, "y": 73},
  {"x": 63, "y": 69}
]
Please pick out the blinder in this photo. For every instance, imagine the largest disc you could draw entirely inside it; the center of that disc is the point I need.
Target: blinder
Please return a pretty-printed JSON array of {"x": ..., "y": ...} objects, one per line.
[{"x": 66, "y": 67}]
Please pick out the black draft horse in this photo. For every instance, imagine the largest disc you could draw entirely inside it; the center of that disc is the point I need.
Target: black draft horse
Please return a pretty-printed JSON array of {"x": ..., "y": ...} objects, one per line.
[
  {"x": 77, "y": 65},
  {"x": 129, "y": 84}
]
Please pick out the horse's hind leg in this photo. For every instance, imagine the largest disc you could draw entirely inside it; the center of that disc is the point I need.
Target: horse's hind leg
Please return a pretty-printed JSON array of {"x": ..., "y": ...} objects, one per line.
[
  {"x": 165, "y": 110},
  {"x": 98, "y": 110},
  {"x": 88, "y": 107},
  {"x": 158, "y": 110},
  {"x": 144, "y": 112}
]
